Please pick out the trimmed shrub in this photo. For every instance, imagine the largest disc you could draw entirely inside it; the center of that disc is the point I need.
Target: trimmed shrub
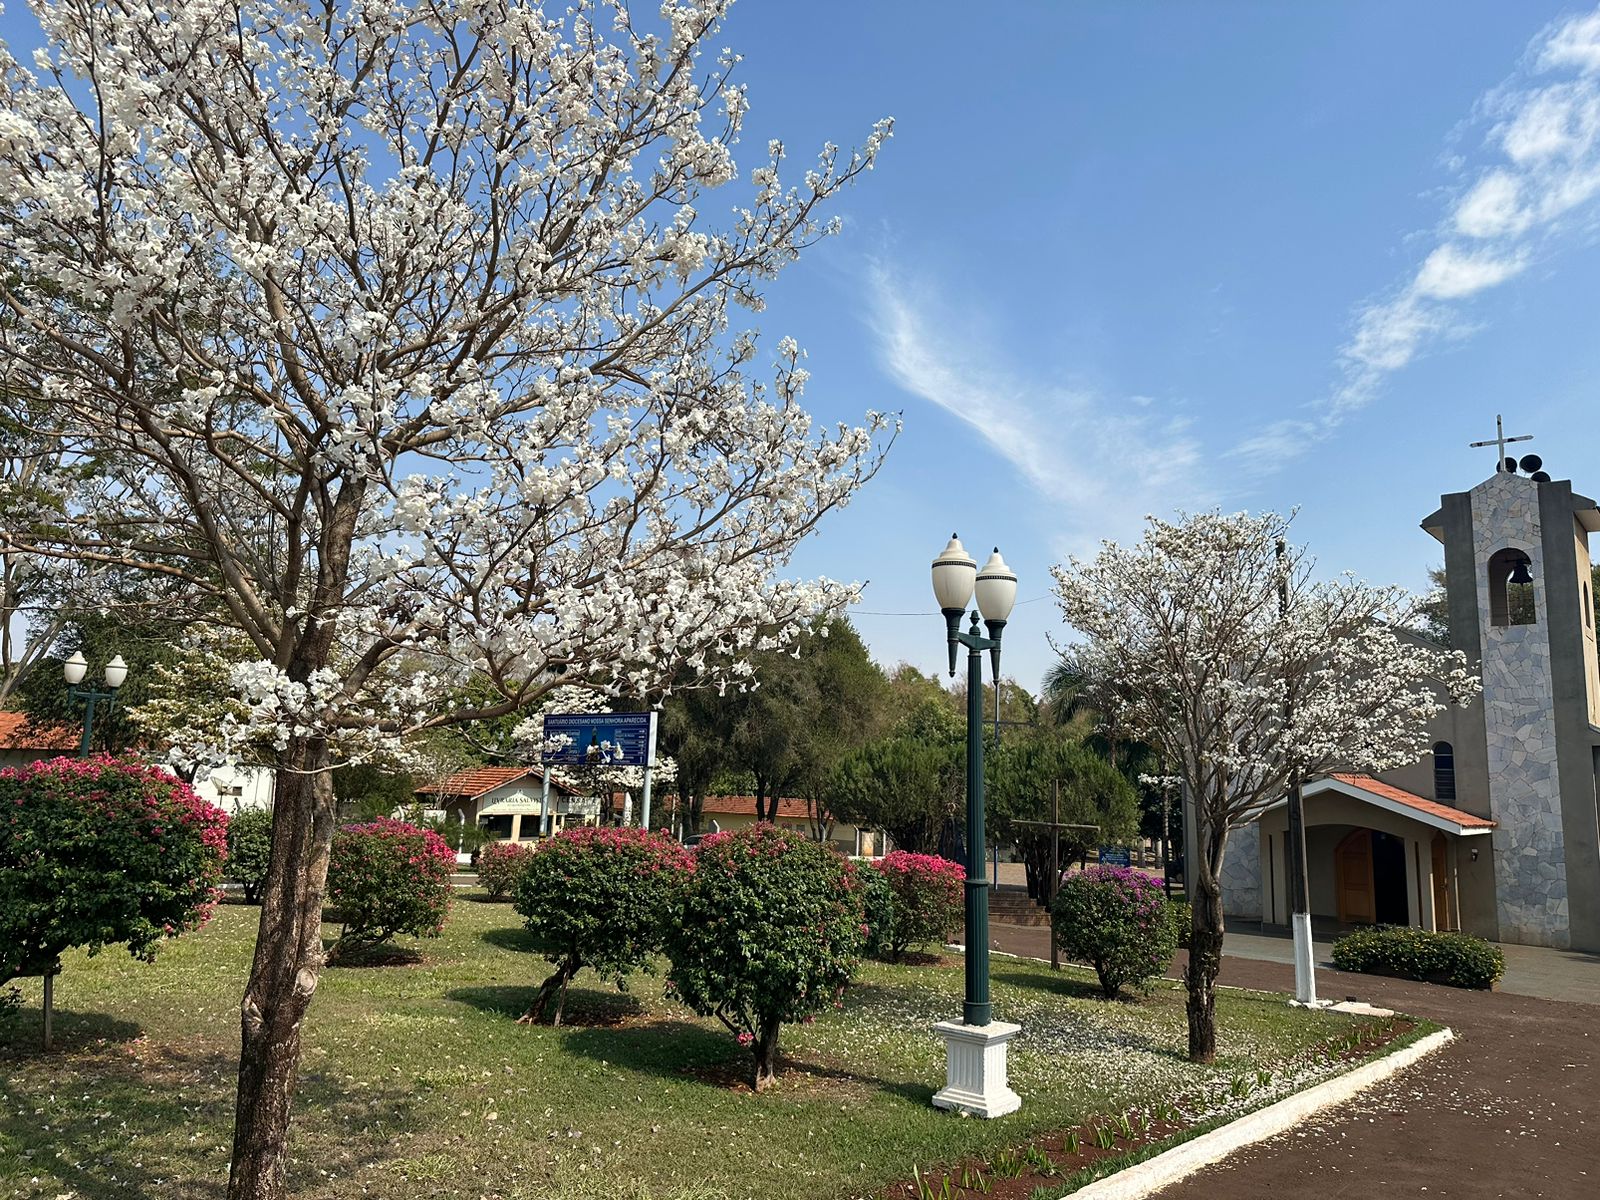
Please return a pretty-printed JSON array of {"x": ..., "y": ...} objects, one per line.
[
  {"x": 1458, "y": 959},
  {"x": 99, "y": 852},
  {"x": 597, "y": 898},
  {"x": 769, "y": 928},
  {"x": 878, "y": 900},
  {"x": 249, "y": 850},
  {"x": 386, "y": 878},
  {"x": 500, "y": 865},
  {"x": 929, "y": 898},
  {"x": 1118, "y": 921}
]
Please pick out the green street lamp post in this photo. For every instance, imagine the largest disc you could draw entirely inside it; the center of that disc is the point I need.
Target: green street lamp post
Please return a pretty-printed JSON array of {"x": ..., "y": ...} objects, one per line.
[
  {"x": 975, "y": 1047},
  {"x": 73, "y": 670}
]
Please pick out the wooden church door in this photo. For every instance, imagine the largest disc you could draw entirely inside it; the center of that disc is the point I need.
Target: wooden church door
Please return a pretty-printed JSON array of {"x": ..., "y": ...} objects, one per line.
[
  {"x": 1353, "y": 870},
  {"x": 1443, "y": 918}
]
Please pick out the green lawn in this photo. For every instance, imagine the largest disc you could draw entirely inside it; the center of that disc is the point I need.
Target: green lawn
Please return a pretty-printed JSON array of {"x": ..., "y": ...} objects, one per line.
[{"x": 418, "y": 1082}]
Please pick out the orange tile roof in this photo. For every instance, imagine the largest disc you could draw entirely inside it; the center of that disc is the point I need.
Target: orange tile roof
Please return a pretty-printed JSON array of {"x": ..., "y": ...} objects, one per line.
[
  {"x": 475, "y": 781},
  {"x": 17, "y": 732},
  {"x": 1411, "y": 800},
  {"x": 787, "y": 807}
]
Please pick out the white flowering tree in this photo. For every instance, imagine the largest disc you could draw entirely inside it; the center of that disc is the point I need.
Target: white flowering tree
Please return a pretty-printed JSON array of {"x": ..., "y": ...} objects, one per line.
[
  {"x": 400, "y": 340},
  {"x": 1237, "y": 667}
]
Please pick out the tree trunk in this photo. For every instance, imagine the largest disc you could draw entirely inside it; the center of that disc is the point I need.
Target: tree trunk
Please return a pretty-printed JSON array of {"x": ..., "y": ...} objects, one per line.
[
  {"x": 283, "y": 975},
  {"x": 766, "y": 1052},
  {"x": 1205, "y": 950},
  {"x": 554, "y": 988}
]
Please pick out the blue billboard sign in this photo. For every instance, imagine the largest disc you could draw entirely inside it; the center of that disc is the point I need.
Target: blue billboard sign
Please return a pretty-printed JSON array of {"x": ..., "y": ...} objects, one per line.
[
  {"x": 599, "y": 739},
  {"x": 1115, "y": 856}
]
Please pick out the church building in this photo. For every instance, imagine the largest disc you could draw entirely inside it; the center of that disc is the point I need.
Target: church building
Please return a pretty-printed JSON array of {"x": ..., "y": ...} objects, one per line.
[{"x": 1496, "y": 832}]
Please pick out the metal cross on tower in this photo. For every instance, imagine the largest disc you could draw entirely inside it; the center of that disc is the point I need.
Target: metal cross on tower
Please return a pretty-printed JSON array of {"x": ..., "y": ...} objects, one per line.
[{"x": 1499, "y": 443}]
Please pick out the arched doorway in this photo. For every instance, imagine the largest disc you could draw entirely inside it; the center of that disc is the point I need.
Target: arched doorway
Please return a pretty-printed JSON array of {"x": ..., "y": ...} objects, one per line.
[{"x": 1370, "y": 871}]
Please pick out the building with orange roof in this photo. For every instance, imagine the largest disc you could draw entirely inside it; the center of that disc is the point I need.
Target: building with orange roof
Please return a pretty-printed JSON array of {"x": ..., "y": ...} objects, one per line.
[
  {"x": 24, "y": 740},
  {"x": 509, "y": 803}
]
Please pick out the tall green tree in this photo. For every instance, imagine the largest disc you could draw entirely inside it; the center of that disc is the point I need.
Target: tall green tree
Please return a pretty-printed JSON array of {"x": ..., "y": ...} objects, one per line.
[
  {"x": 1022, "y": 775},
  {"x": 909, "y": 784}
]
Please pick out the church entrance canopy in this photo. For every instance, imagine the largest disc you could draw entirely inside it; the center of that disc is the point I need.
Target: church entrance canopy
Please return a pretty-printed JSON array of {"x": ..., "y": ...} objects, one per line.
[{"x": 1375, "y": 854}]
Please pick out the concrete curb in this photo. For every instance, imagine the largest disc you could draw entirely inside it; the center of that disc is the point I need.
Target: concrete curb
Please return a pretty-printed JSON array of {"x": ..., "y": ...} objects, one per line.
[{"x": 1170, "y": 1166}]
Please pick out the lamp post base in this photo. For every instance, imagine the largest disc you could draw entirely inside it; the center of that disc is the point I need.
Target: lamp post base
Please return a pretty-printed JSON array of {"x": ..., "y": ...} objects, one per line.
[{"x": 975, "y": 1069}]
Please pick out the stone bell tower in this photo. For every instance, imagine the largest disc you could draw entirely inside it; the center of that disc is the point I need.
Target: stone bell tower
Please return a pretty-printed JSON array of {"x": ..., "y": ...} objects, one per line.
[{"x": 1517, "y": 571}]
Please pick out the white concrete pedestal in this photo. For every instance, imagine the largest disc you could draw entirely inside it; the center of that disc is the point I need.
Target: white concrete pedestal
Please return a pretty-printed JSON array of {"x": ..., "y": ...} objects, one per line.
[{"x": 975, "y": 1069}]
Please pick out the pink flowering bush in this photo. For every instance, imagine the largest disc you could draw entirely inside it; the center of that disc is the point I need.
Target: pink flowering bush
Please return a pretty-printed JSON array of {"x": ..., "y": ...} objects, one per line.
[
  {"x": 928, "y": 897},
  {"x": 768, "y": 928},
  {"x": 597, "y": 898},
  {"x": 500, "y": 865},
  {"x": 1118, "y": 921},
  {"x": 98, "y": 852},
  {"x": 387, "y": 877}
]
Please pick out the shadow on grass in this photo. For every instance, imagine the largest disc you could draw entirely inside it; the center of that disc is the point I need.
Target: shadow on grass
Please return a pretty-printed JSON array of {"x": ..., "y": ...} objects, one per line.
[
  {"x": 70, "y": 1031},
  {"x": 510, "y": 937},
  {"x": 1059, "y": 983},
  {"x": 152, "y": 1121},
  {"x": 375, "y": 956},
  {"x": 584, "y": 1006},
  {"x": 681, "y": 1050}
]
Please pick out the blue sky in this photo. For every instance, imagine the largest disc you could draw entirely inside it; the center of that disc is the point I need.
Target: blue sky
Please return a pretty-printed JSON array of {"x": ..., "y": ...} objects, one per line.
[{"x": 1123, "y": 258}]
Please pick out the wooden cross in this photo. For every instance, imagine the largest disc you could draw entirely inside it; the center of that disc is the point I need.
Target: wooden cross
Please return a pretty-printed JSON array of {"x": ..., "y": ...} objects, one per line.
[
  {"x": 1499, "y": 443},
  {"x": 1055, "y": 826}
]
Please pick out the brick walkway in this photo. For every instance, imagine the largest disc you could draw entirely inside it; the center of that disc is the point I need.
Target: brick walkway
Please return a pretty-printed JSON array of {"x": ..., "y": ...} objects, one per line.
[{"x": 1510, "y": 1108}]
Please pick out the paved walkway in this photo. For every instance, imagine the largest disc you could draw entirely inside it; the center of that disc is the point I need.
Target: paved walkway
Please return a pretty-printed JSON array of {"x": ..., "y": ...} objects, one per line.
[{"x": 1510, "y": 1108}]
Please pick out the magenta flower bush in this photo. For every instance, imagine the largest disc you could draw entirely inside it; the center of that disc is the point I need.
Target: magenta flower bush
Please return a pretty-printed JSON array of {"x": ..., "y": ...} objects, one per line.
[
  {"x": 387, "y": 877},
  {"x": 927, "y": 893},
  {"x": 1118, "y": 921},
  {"x": 769, "y": 928},
  {"x": 597, "y": 898},
  {"x": 99, "y": 852},
  {"x": 500, "y": 865}
]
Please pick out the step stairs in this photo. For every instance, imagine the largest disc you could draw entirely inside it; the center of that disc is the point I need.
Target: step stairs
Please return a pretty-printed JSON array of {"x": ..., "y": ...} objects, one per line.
[{"x": 1011, "y": 906}]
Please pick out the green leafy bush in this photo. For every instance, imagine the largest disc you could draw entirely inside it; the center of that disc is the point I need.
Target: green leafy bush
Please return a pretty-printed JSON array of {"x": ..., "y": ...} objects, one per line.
[
  {"x": 249, "y": 850},
  {"x": 386, "y": 878},
  {"x": 1118, "y": 921},
  {"x": 500, "y": 865},
  {"x": 878, "y": 901},
  {"x": 597, "y": 898},
  {"x": 929, "y": 896},
  {"x": 1458, "y": 959},
  {"x": 100, "y": 851},
  {"x": 769, "y": 928}
]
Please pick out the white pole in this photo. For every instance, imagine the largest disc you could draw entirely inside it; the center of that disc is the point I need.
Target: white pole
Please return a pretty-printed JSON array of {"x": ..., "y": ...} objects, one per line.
[
  {"x": 544, "y": 802},
  {"x": 649, "y": 761}
]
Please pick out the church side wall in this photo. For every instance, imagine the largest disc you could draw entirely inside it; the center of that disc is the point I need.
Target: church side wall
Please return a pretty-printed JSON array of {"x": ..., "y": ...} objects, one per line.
[
  {"x": 1591, "y": 662},
  {"x": 1570, "y": 715}
]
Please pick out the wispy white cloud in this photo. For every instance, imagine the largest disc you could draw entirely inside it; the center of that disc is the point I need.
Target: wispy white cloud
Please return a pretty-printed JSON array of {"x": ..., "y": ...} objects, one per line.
[
  {"x": 1104, "y": 462},
  {"x": 1537, "y": 167}
]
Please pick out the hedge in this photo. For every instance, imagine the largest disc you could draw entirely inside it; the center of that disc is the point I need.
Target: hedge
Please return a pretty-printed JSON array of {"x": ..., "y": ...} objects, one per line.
[{"x": 1458, "y": 959}]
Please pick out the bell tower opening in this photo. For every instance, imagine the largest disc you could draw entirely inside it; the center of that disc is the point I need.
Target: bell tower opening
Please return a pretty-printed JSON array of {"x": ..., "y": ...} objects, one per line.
[{"x": 1511, "y": 600}]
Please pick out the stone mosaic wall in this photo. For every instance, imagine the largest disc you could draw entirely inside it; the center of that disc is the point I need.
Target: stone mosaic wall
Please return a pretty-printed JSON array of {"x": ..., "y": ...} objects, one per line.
[
  {"x": 1519, "y": 718},
  {"x": 1241, "y": 874}
]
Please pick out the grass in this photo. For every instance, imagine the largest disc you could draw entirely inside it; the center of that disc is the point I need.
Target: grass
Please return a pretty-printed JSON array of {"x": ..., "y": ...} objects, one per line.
[{"x": 417, "y": 1082}]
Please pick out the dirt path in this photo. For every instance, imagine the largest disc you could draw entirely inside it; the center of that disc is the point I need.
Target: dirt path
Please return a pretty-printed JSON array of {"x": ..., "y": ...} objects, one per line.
[{"x": 1510, "y": 1108}]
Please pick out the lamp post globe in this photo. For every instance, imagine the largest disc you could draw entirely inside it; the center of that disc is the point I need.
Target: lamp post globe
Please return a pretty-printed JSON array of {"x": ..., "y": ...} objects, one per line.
[
  {"x": 997, "y": 590},
  {"x": 74, "y": 669},
  {"x": 116, "y": 672}
]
